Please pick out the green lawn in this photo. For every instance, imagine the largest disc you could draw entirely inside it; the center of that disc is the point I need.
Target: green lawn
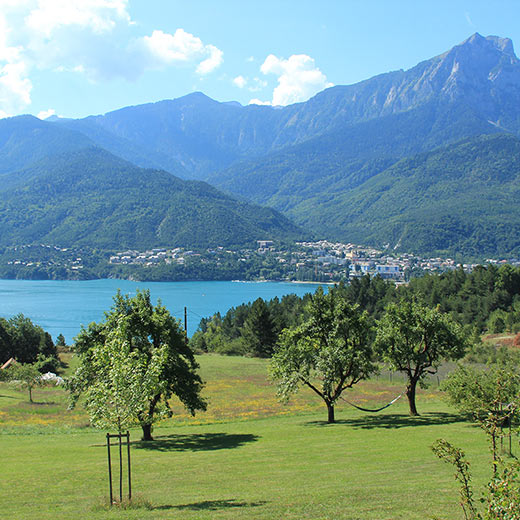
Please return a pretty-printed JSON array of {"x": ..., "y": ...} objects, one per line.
[{"x": 247, "y": 457}]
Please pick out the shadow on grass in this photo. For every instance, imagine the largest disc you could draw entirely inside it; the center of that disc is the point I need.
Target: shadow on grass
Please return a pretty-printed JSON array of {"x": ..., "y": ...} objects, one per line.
[
  {"x": 391, "y": 421},
  {"x": 211, "y": 505},
  {"x": 197, "y": 442}
]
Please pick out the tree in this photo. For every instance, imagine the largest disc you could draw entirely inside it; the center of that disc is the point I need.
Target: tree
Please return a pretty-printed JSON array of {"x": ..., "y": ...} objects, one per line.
[
  {"x": 259, "y": 332},
  {"x": 21, "y": 339},
  {"x": 26, "y": 375},
  {"x": 329, "y": 352},
  {"x": 415, "y": 339},
  {"x": 133, "y": 363},
  {"x": 491, "y": 396}
]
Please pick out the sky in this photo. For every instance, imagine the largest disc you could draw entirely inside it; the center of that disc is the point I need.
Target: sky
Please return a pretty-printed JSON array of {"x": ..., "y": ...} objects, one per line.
[{"x": 75, "y": 58}]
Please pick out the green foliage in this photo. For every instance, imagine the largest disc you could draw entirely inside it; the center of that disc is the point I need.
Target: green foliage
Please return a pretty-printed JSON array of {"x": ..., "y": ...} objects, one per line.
[
  {"x": 26, "y": 375},
  {"x": 259, "y": 333},
  {"x": 249, "y": 329},
  {"x": 21, "y": 339},
  {"x": 471, "y": 298},
  {"x": 133, "y": 363},
  {"x": 126, "y": 381},
  {"x": 329, "y": 352},
  {"x": 491, "y": 395},
  {"x": 501, "y": 499},
  {"x": 425, "y": 203},
  {"x": 415, "y": 339},
  {"x": 422, "y": 203},
  {"x": 456, "y": 457},
  {"x": 468, "y": 298}
]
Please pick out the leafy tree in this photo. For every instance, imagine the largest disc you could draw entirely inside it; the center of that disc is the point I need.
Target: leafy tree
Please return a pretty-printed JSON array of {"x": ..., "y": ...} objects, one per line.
[
  {"x": 415, "y": 339},
  {"x": 329, "y": 352},
  {"x": 60, "y": 341},
  {"x": 491, "y": 396},
  {"x": 5, "y": 341},
  {"x": 126, "y": 381},
  {"x": 146, "y": 340},
  {"x": 26, "y": 375},
  {"x": 27, "y": 341}
]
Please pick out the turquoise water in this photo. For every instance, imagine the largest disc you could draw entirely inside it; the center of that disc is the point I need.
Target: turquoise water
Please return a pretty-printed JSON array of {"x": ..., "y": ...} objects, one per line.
[{"x": 61, "y": 307}]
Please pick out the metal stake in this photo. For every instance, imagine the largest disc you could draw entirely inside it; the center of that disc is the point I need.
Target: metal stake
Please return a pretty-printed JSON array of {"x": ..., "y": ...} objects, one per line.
[
  {"x": 129, "y": 469},
  {"x": 109, "y": 469}
]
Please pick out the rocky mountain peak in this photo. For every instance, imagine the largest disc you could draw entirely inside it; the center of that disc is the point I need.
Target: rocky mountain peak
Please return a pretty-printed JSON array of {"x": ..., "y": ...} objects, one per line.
[{"x": 493, "y": 43}]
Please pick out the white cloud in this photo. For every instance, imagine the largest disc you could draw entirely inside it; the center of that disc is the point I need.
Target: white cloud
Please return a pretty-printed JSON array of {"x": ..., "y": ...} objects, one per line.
[
  {"x": 94, "y": 38},
  {"x": 44, "y": 114},
  {"x": 298, "y": 78},
  {"x": 259, "y": 102},
  {"x": 240, "y": 81},
  {"x": 169, "y": 48},
  {"x": 15, "y": 88},
  {"x": 98, "y": 15},
  {"x": 181, "y": 47},
  {"x": 214, "y": 60}
]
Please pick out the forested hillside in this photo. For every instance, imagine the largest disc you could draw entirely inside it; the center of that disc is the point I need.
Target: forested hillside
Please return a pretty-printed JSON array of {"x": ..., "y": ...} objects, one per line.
[
  {"x": 458, "y": 198},
  {"x": 92, "y": 198},
  {"x": 486, "y": 300}
]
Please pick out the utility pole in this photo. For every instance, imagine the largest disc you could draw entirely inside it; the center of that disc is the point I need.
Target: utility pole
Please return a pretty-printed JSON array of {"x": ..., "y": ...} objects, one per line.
[{"x": 186, "y": 325}]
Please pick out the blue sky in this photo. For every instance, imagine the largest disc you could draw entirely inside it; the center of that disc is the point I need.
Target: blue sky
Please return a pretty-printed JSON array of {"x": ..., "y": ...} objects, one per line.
[{"x": 79, "y": 57}]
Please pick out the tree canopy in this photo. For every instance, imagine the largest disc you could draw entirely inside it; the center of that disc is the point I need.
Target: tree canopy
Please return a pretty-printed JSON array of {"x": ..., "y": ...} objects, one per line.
[
  {"x": 415, "y": 339},
  {"x": 21, "y": 339},
  {"x": 329, "y": 352},
  {"x": 133, "y": 363}
]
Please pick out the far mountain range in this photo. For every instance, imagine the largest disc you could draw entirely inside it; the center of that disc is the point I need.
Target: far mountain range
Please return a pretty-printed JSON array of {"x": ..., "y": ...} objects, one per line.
[{"x": 424, "y": 160}]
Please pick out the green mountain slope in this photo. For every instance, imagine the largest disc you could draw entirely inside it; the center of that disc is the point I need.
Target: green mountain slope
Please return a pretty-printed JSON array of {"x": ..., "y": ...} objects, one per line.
[
  {"x": 308, "y": 174},
  {"x": 92, "y": 198},
  {"x": 457, "y": 199},
  {"x": 25, "y": 140}
]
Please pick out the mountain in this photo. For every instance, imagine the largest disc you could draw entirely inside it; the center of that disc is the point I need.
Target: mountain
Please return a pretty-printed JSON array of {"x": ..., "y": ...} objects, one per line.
[
  {"x": 313, "y": 171},
  {"x": 204, "y": 136},
  {"x": 459, "y": 198},
  {"x": 93, "y": 198},
  {"x": 313, "y": 161}
]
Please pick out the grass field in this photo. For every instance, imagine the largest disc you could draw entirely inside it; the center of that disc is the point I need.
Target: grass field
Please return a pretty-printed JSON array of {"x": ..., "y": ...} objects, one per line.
[{"x": 247, "y": 457}]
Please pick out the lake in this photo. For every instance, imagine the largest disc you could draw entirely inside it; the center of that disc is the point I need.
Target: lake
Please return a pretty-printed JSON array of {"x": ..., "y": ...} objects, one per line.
[{"x": 61, "y": 307}]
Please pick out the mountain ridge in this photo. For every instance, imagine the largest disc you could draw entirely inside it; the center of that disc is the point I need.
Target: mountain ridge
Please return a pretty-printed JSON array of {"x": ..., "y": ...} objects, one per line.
[{"x": 309, "y": 159}]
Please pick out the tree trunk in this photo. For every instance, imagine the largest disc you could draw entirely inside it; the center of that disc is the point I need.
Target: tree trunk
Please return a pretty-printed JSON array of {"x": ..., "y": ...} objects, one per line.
[
  {"x": 30, "y": 395},
  {"x": 147, "y": 432},
  {"x": 410, "y": 393},
  {"x": 330, "y": 410}
]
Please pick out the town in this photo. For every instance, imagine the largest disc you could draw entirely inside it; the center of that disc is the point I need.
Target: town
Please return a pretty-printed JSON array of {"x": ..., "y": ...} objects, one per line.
[
  {"x": 321, "y": 260},
  {"x": 314, "y": 261}
]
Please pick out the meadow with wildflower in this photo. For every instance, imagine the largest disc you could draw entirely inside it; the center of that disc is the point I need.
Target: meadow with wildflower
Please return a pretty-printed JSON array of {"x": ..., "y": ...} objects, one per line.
[{"x": 247, "y": 455}]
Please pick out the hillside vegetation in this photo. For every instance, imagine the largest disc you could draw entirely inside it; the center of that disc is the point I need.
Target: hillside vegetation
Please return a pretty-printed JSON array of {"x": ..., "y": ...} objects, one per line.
[{"x": 92, "y": 198}]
